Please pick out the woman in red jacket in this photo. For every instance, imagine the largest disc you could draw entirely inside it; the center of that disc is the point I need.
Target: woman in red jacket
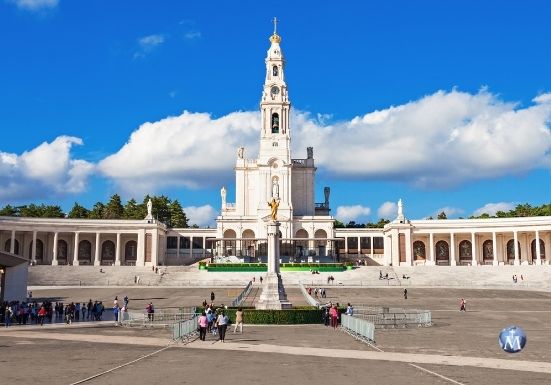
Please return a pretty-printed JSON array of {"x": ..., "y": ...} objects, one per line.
[
  {"x": 334, "y": 314},
  {"x": 41, "y": 314}
]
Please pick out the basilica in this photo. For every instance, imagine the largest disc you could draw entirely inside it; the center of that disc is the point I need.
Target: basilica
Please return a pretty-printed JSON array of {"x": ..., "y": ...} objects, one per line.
[{"x": 306, "y": 234}]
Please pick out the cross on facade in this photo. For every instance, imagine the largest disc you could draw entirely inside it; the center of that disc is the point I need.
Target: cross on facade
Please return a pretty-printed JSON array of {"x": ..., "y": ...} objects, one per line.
[{"x": 275, "y": 24}]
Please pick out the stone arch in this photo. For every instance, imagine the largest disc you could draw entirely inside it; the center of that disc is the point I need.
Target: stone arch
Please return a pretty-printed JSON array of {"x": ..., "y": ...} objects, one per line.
[
  {"x": 320, "y": 234},
  {"x": 39, "y": 250},
  {"x": 62, "y": 250},
  {"x": 84, "y": 252},
  {"x": 230, "y": 233},
  {"x": 248, "y": 234},
  {"x": 442, "y": 253},
  {"x": 465, "y": 251},
  {"x": 275, "y": 71},
  {"x": 301, "y": 233},
  {"x": 275, "y": 123},
  {"x": 511, "y": 250},
  {"x": 108, "y": 252},
  {"x": 321, "y": 242},
  {"x": 301, "y": 246},
  {"x": 488, "y": 250},
  {"x": 7, "y": 246},
  {"x": 131, "y": 251},
  {"x": 533, "y": 250},
  {"x": 229, "y": 247},
  {"x": 419, "y": 252}
]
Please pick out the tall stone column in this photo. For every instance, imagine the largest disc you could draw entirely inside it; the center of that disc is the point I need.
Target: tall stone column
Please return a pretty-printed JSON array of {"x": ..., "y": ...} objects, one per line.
[
  {"x": 359, "y": 248},
  {"x": 538, "y": 248},
  {"x": 12, "y": 242},
  {"x": 33, "y": 251},
  {"x": 140, "y": 257},
  {"x": 118, "y": 250},
  {"x": 54, "y": 254},
  {"x": 75, "y": 250},
  {"x": 346, "y": 245},
  {"x": 473, "y": 243},
  {"x": 494, "y": 249},
  {"x": 191, "y": 248},
  {"x": 204, "y": 247},
  {"x": 408, "y": 245},
  {"x": 372, "y": 249},
  {"x": 97, "y": 257},
  {"x": 515, "y": 240},
  {"x": 431, "y": 250}
]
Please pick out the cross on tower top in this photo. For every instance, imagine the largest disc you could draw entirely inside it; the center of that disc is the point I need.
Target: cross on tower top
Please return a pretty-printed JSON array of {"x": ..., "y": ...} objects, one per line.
[{"x": 275, "y": 24}]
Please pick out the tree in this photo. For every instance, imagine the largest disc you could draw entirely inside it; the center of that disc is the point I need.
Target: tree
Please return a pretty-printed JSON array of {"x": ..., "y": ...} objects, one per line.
[
  {"x": 160, "y": 210},
  {"x": 177, "y": 216},
  {"x": 41, "y": 211},
  {"x": 338, "y": 224},
  {"x": 97, "y": 211},
  {"x": 9, "y": 211},
  {"x": 52, "y": 211},
  {"x": 132, "y": 210},
  {"x": 78, "y": 212},
  {"x": 442, "y": 215},
  {"x": 113, "y": 209}
]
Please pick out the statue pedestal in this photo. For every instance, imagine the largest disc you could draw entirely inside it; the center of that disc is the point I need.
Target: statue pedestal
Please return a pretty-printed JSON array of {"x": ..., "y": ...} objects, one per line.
[{"x": 273, "y": 294}]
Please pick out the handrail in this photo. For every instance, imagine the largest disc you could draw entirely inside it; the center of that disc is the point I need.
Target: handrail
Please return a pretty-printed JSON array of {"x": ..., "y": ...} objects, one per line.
[
  {"x": 239, "y": 299},
  {"x": 311, "y": 301},
  {"x": 358, "y": 328},
  {"x": 184, "y": 329}
]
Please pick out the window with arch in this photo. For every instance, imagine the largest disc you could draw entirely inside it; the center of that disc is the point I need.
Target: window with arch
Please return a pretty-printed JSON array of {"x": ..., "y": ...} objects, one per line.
[
  {"x": 85, "y": 251},
  {"x": 275, "y": 71},
  {"x": 7, "y": 246},
  {"x": 442, "y": 251},
  {"x": 108, "y": 251},
  {"x": 131, "y": 251},
  {"x": 275, "y": 123},
  {"x": 39, "y": 249},
  {"x": 542, "y": 249},
  {"x": 62, "y": 250},
  {"x": 511, "y": 249},
  {"x": 419, "y": 250},
  {"x": 465, "y": 250},
  {"x": 488, "y": 250}
]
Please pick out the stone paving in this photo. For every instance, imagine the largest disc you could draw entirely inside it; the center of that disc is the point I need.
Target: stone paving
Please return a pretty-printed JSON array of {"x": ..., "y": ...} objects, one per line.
[{"x": 461, "y": 348}]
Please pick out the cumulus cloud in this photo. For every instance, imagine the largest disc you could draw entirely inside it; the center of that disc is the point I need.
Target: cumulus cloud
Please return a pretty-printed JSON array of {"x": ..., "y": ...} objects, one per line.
[
  {"x": 441, "y": 140},
  {"x": 201, "y": 215},
  {"x": 191, "y": 150},
  {"x": 35, "y": 5},
  {"x": 388, "y": 210},
  {"x": 148, "y": 43},
  {"x": 450, "y": 211},
  {"x": 492, "y": 208},
  {"x": 45, "y": 170},
  {"x": 352, "y": 213}
]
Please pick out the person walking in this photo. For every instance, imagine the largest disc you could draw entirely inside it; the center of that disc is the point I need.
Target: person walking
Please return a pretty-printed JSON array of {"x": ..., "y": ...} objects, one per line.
[
  {"x": 42, "y": 314},
  {"x": 349, "y": 309},
  {"x": 239, "y": 320},
  {"x": 212, "y": 296},
  {"x": 405, "y": 293},
  {"x": 334, "y": 314},
  {"x": 222, "y": 323},
  {"x": 463, "y": 305},
  {"x": 203, "y": 323}
]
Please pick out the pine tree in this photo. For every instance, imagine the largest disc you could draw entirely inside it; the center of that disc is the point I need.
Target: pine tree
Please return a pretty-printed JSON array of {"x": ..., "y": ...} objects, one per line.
[
  {"x": 133, "y": 211},
  {"x": 9, "y": 211},
  {"x": 97, "y": 211},
  {"x": 177, "y": 216},
  {"x": 113, "y": 209},
  {"x": 78, "y": 212}
]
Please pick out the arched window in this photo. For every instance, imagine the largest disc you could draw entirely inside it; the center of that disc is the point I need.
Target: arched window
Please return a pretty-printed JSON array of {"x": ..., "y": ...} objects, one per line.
[
  {"x": 487, "y": 250},
  {"x": 419, "y": 250},
  {"x": 442, "y": 251},
  {"x": 108, "y": 251},
  {"x": 542, "y": 250},
  {"x": 275, "y": 71},
  {"x": 511, "y": 249},
  {"x": 85, "y": 251},
  {"x": 7, "y": 246},
  {"x": 61, "y": 250},
  {"x": 275, "y": 123},
  {"x": 465, "y": 250},
  {"x": 131, "y": 251},
  {"x": 39, "y": 249}
]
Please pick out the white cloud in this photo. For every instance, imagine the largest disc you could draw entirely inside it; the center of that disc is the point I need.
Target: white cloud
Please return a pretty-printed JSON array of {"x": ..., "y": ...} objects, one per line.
[
  {"x": 492, "y": 208},
  {"x": 148, "y": 43},
  {"x": 450, "y": 211},
  {"x": 192, "y": 35},
  {"x": 45, "y": 170},
  {"x": 35, "y": 5},
  {"x": 388, "y": 210},
  {"x": 192, "y": 150},
  {"x": 346, "y": 214},
  {"x": 201, "y": 216}
]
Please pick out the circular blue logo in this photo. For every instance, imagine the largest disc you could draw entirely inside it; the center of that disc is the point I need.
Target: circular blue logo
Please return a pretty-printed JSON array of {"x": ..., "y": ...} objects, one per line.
[{"x": 512, "y": 339}]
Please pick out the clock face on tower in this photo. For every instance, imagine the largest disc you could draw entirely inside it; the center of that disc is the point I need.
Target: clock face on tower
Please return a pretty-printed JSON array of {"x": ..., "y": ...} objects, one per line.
[{"x": 274, "y": 90}]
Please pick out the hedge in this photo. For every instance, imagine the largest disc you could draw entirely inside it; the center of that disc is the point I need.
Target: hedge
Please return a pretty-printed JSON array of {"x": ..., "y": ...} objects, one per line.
[
  {"x": 301, "y": 315},
  {"x": 261, "y": 267}
]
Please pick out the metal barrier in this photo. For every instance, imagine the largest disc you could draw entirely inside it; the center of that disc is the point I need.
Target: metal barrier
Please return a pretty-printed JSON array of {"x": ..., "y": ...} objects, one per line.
[
  {"x": 358, "y": 328},
  {"x": 185, "y": 329},
  {"x": 157, "y": 319},
  {"x": 311, "y": 301},
  {"x": 237, "y": 301},
  {"x": 387, "y": 317}
]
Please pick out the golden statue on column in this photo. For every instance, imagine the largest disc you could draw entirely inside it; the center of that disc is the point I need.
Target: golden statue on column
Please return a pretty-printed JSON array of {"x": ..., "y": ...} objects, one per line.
[{"x": 274, "y": 204}]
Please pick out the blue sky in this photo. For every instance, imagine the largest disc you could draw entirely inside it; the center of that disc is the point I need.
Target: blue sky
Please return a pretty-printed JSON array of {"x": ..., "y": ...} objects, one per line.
[{"x": 446, "y": 106}]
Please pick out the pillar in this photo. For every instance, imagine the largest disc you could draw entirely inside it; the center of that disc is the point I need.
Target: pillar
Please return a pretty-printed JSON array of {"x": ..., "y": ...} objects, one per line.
[
  {"x": 494, "y": 248},
  {"x": 453, "y": 261},
  {"x": 371, "y": 243},
  {"x": 346, "y": 246},
  {"x": 54, "y": 255},
  {"x": 12, "y": 242},
  {"x": 538, "y": 249},
  {"x": 205, "y": 247},
  {"x": 515, "y": 241},
  {"x": 359, "y": 248},
  {"x": 140, "y": 257},
  {"x": 408, "y": 245},
  {"x": 97, "y": 257},
  {"x": 178, "y": 248},
  {"x": 473, "y": 243},
  {"x": 118, "y": 250},
  {"x": 75, "y": 250},
  {"x": 191, "y": 247},
  {"x": 33, "y": 251},
  {"x": 431, "y": 250}
]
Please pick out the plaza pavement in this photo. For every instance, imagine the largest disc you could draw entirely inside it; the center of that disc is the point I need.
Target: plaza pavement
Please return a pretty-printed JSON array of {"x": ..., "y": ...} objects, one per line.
[{"x": 461, "y": 348}]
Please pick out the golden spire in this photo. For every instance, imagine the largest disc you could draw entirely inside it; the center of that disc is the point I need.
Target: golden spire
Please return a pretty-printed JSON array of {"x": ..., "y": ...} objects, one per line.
[{"x": 275, "y": 38}]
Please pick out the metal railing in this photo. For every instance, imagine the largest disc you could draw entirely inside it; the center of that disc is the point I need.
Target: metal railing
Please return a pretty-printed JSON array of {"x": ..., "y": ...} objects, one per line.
[
  {"x": 237, "y": 301},
  {"x": 358, "y": 328},
  {"x": 185, "y": 329},
  {"x": 387, "y": 317},
  {"x": 311, "y": 301},
  {"x": 158, "y": 319}
]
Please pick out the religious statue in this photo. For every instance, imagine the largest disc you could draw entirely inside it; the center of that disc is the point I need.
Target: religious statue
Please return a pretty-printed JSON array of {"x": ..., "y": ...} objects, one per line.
[
  {"x": 326, "y": 192},
  {"x": 274, "y": 204},
  {"x": 275, "y": 189},
  {"x": 400, "y": 209},
  {"x": 149, "y": 208},
  {"x": 223, "y": 196},
  {"x": 310, "y": 152},
  {"x": 240, "y": 152}
]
